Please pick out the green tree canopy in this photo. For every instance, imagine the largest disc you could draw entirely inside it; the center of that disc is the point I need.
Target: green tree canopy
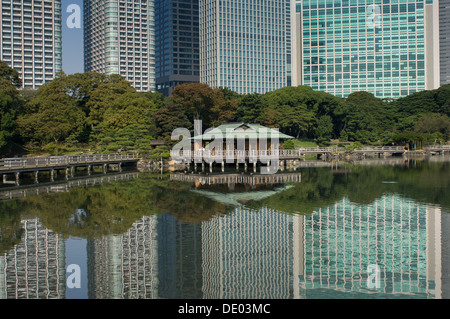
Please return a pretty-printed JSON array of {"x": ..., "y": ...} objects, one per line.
[
  {"x": 11, "y": 104},
  {"x": 205, "y": 103}
]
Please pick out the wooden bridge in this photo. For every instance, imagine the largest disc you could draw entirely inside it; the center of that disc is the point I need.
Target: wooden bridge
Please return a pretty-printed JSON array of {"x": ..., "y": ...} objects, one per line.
[
  {"x": 238, "y": 156},
  {"x": 67, "y": 164}
]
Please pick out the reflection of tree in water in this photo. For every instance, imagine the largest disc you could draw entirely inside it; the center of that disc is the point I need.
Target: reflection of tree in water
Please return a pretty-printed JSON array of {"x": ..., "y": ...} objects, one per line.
[
  {"x": 321, "y": 187},
  {"x": 109, "y": 209},
  {"x": 11, "y": 229},
  {"x": 181, "y": 203},
  {"x": 113, "y": 208}
]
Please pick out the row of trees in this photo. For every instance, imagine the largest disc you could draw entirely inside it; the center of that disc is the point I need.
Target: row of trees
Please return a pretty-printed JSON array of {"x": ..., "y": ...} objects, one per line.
[{"x": 92, "y": 112}]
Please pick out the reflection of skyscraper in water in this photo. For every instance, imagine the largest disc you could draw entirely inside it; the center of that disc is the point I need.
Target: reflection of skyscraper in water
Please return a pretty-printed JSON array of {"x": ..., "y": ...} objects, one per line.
[
  {"x": 125, "y": 266},
  {"x": 180, "y": 258},
  {"x": 268, "y": 254},
  {"x": 35, "y": 268},
  {"x": 399, "y": 235},
  {"x": 248, "y": 254}
]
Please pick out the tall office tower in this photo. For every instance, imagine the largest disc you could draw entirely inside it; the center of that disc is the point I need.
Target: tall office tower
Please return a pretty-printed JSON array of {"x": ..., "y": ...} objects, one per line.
[
  {"x": 177, "y": 52},
  {"x": 388, "y": 48},
  {"x": 444, "y": 40},
  {"x": 119, "y": 39},
  {"x": 31, "y": 41},
  {"x": 245, "y": 45}
]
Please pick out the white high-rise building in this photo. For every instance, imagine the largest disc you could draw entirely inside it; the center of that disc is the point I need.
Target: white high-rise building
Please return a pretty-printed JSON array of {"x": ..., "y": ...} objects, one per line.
[
  {"x": 245, "y": 45},
  {"x": 119, "y": 38},
  {"x": 31, "y": 41}
]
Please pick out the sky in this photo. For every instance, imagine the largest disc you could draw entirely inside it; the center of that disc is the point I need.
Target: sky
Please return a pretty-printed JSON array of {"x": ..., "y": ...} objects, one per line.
[{"x": 72, "y": 39}]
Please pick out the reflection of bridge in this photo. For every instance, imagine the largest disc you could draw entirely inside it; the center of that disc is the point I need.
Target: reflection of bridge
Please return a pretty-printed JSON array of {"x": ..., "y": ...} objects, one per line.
[
  {"x": 67, "y": 164},
  {"x": 237, "y": 178},
  {"x": 64, "y": 186}
]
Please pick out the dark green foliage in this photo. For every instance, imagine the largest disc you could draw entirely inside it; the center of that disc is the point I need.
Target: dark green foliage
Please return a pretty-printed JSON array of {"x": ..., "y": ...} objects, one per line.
[
  {"x": 91, "y": 112},
  {"x": 288, "y": 145},
  {"x": 11, "y": 105}
]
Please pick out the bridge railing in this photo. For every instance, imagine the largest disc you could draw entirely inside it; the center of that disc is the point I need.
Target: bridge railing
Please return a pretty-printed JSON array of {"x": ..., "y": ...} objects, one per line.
[
  {"x": 320, "y": 149},
  {"x": 50, "y": 161},
  {"x": 381, "y": 148},
  {"x": 437, "y": 147},
  {"x": 261, "y": 154},
  {"x": 249, "y": 154}
]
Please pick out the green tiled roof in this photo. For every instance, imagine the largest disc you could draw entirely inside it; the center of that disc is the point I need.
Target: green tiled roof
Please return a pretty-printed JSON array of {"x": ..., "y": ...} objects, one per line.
[{"x": 242, "y": 131}]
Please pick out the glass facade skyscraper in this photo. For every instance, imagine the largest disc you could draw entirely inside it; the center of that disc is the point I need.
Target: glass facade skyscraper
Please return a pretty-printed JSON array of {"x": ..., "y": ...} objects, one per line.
[
  {"x": 31, "y": 41},
  {"x": 177, "y": 43},
  {"x": 119, "y": 38},
  {"x": 386, "y": 47},
  {"x": 444, "y": 40},
  {"x": 245, "y": 45}
]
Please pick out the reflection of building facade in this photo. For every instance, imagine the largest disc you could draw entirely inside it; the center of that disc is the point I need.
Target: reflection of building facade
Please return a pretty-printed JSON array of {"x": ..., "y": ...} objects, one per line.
[
  {"x": 248, "y": 254},
  {"x": 125, "y": 266},
  {"x": 401, "y": 236},
  {"x": 258, "y": 253},
  {"x": 35, "y": 268},
  {"x": 266, "y": 254},
  {"x": 180, "y": 258}
]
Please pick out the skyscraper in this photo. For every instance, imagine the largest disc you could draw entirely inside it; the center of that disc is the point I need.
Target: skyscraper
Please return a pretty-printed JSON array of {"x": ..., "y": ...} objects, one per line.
[
  {"x": 177, "y": 43},
  {"x": 444, "y": 40},
  {"x": 31, "y": 41},
  {"x": 245, "y": 45},
  {"x": 388, "y": 48},
  {"x": 119, "y": 39}
]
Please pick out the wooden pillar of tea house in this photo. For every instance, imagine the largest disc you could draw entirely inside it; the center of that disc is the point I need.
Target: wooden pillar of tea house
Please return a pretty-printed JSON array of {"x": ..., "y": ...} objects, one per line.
[
  {"x": 223, "y": 166},
  {"x": 17, "y": 175},
  {"x": 67, "y": 173},
  {"x": 105, "y": 168},
  {"x": 254, "y": 166},
  {"x": 36, "y": 177},
  {"x": 72, "y": 171},
  {"x": 89, "y": 170},
  {"x": 52, "y": 175}
]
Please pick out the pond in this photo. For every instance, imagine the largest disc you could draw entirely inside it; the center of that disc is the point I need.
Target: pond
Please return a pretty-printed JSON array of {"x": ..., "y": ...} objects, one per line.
[{"x": 346, "y": 230}]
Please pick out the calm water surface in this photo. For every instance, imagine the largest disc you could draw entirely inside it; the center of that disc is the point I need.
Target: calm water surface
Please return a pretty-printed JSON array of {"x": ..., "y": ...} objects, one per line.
[{"x": 344, "y": 231}]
